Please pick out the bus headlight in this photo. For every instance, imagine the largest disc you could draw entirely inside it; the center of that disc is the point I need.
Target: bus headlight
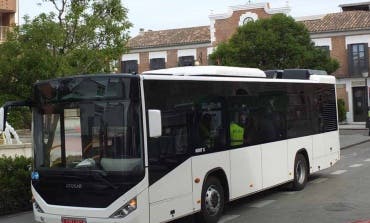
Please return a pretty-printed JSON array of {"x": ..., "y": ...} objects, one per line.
[{"x": 125, "y": 209}]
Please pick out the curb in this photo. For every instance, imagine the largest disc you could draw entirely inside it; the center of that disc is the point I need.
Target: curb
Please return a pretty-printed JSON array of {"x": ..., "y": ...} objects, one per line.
[
  {"x": 2, "y": 217},
  {"x": 355, "y": 144},
  {"x": 363, "y": 129},
  {"x": 353, "y": 129}
]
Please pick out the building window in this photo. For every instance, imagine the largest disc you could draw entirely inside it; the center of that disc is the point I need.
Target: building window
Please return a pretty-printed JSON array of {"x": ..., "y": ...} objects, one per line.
[
  {"x": 157, "y": 63},
  {"x": 326, "y": 49},
  {"x": 129, "y": 66},
  {"x": 186, "y": 61},
  {"x": 358, "y": 59}
]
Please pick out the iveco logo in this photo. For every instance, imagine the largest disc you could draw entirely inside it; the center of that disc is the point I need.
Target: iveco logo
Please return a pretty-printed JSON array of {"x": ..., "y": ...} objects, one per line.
[{"x": 73, "y": 186}]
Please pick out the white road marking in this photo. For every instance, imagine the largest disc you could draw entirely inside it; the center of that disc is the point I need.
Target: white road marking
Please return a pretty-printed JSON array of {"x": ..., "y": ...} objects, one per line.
[
  {"x": 367, "y": 160},
  {"x": 356, "y": 165},
  {"x": 338, "y": 172},
  {"x": 319, "y": 180},
  {"x": 261, "y": 204},
  {"x": 227, "y": 218}
]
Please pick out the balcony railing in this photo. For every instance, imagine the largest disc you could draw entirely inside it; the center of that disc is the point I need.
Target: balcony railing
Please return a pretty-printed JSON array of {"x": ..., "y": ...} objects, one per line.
[{"x": 4, "y": 32}]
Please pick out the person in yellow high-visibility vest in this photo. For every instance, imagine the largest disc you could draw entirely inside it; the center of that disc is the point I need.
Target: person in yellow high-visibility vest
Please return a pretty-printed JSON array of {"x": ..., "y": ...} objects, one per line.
[
  {"x": 237, "y": 131},
  {"x": 236, "y": 134}
]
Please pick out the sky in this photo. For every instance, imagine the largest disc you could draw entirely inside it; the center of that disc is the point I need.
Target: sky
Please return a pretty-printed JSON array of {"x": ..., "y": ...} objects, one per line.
[{"x": 168, "y": 14}]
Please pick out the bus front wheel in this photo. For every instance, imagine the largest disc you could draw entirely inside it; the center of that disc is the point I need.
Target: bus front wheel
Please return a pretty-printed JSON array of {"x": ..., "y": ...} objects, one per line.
[
  {"x": 212, "y": 201},
  {"x": 300, "y": 172}
]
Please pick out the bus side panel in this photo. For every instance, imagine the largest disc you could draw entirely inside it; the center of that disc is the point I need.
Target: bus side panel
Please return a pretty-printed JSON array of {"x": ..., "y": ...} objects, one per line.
[
  {"x": 274, "y": 163},
  {"x": 201, "y": 165},
  {"x": 294, "y": 145},
  {"x": 246, "y": 171},
  {"x": 326, "y": 150},
  {"x": 171, "y": 196}
]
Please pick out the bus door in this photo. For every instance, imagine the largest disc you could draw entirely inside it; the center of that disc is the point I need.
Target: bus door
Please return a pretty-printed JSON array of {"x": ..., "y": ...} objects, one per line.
[{"x": 170, "y": 180}]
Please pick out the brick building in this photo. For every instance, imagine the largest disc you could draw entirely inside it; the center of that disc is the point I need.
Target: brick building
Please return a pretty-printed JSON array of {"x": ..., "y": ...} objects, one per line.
[
  {"x": 8, "y": 16},
  {"x": 346, "y": 36}
]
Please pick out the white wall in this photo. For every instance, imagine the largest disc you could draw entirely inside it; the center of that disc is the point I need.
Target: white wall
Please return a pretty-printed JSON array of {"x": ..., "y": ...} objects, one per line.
[
  {"x": 131, "y": 56},
  {"x": 357, "y": 39},
  {"x": 349, "y": 84},
  {"x": 187, "y": 52},
  {"x": 160, "y": 54},
  {"x": 16, "y": 150},
  {"x": 323, "y": 42}
]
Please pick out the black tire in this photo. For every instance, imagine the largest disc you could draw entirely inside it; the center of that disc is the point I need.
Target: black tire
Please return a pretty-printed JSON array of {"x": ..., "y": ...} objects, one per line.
[
  {"x": 211, "y": 207},
  {"x": 301, "y": 172}
]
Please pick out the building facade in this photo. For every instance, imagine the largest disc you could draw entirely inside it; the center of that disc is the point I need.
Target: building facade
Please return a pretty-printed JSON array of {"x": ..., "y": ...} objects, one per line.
[
  {"x": 345, "y": 35},
  {"x": 8, "y": 16},
  {"x": 189, "y": 46}
]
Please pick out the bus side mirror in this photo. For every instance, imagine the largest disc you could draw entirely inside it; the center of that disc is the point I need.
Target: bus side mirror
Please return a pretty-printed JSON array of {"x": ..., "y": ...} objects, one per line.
[
  {"x": 155, "y": 123},
  {"x": 2, "y": 118}
]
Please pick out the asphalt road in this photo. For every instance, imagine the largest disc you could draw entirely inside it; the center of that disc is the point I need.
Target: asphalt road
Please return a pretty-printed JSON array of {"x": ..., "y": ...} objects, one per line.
[{"x": 340, "y": 194}]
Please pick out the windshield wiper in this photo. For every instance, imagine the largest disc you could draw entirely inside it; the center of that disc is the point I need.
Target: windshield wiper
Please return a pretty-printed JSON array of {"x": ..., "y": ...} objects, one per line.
[{"x": 100, "y": 175}]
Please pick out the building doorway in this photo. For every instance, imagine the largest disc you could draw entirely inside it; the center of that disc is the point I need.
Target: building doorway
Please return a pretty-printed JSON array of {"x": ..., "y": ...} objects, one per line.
[{"x": 359, "y": 104}]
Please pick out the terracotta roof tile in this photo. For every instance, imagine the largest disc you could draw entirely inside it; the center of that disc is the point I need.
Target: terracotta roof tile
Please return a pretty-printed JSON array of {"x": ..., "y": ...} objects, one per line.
[
  {"x": 341, "y": 21},
  {"x": 171, "y": 37}
]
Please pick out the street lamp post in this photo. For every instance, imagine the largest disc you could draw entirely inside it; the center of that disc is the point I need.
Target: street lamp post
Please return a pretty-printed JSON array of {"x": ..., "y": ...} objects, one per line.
[{"x": 365, "y": 75}]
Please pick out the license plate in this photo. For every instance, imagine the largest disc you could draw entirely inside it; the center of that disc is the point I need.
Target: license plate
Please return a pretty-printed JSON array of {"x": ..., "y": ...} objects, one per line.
[{"x": 73, "y": 220}]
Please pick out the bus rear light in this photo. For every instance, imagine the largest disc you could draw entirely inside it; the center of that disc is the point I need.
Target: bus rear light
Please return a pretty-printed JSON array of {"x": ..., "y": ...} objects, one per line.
[{"x": 125, "y": 209}]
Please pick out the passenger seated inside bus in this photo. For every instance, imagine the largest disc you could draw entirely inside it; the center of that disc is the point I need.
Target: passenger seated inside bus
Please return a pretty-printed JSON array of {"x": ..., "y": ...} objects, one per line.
[{"x": 211, "y": 130}]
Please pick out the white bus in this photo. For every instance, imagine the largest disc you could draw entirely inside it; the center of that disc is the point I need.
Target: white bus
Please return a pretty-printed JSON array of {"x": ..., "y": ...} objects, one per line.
[{"x": 169, "y": 143}]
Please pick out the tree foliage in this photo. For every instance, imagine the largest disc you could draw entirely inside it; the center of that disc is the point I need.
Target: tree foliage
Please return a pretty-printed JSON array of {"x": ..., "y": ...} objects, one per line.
[
  {"x": 278, "y": 42},
  {"x": 15, "y": 187},
  {"x": 341, "y": 110},
  {"x": 78, "y": 37}
]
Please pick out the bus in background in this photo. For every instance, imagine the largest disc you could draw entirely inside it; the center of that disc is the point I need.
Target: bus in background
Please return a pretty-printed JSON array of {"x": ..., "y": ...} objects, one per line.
[{"x": 169, "y": 143}]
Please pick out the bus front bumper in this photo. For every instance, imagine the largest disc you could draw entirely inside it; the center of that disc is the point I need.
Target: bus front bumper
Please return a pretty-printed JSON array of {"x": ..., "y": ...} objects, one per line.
[{"x": 134, "y": 217}]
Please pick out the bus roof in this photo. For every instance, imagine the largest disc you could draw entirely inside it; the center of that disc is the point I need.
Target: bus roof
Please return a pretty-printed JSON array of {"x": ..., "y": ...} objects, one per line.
[{"x": 218, "y": 71}]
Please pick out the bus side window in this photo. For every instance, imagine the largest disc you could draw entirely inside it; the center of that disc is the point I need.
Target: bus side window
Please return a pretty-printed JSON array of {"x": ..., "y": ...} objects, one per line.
[{"x": 211, "y": 127}]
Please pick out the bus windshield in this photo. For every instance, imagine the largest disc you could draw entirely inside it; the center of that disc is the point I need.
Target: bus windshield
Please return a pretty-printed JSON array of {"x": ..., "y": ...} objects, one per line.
[
  {"x": 88, "y": 123},
  {"x": 87, "y": 134}
]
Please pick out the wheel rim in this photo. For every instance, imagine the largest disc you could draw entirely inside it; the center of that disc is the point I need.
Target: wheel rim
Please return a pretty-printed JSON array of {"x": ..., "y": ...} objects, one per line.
[
  {"x": 300, "y": 172},
  {"x": 212, "y": 200}
]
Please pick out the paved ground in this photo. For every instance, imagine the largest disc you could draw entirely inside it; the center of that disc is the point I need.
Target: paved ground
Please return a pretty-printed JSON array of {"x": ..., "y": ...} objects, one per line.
[
  {"x": 350, "y": 137},
  {"x": 339, "y": 194}
]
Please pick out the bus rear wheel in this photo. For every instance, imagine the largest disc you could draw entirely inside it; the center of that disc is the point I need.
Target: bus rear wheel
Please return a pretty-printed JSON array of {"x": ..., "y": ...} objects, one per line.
[
  {"x": 300, "y": 172},
  {"x": 212, "y": 201}
]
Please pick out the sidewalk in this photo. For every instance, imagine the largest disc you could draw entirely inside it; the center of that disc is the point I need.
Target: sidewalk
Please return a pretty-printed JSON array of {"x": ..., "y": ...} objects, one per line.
[
  {"x": 352, "y": 126},
  {"x": 353, "y": 134}
]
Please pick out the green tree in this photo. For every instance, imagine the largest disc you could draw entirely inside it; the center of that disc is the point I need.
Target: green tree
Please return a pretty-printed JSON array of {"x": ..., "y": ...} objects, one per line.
[
  {"x": 78, "y": 37},
  {"x": 278, "y": 42}
]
